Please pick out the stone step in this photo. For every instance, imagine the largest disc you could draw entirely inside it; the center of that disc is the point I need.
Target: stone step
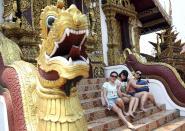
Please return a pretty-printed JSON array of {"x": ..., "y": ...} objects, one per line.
[
  {"x": 97, "y": 113},
  {"x": 175, "y": 125},
  {"x": 89, "y": 94},
  {"x": 153, "y": 121},
  {"x": 91, "y": 103},
  {"x": 110, "y": 122},
  {"x": 100, "y": 112},
  {"x": 92, "y": 81},
  {"x": 82, "y": 88}
]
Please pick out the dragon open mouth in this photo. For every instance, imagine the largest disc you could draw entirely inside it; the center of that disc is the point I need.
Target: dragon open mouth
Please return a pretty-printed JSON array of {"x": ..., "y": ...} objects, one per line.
[{"x": 68, "y": 48}]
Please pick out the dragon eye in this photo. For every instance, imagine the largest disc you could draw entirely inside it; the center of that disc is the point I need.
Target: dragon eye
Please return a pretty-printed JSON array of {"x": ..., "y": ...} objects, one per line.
[{"x": 50, "y": 20}]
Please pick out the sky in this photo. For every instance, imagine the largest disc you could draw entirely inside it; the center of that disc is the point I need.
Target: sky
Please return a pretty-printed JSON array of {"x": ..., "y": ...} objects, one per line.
[{"x": 178, "y": 21}]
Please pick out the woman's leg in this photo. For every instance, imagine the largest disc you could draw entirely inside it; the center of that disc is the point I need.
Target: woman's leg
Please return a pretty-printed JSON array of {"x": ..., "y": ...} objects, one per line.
[
  {"x": 120, "y": 103},
  {"x": 116, "y": 109},
  {"x": 152, "y": 99},
  {"x": 131, "y": 105},
  {"x": 125, "y": 99},
  {"x": 143, "y": 97},
  {"x": 135, "y": 104}
]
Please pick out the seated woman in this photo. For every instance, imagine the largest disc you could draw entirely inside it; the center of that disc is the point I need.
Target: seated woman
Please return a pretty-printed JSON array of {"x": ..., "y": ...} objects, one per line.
[
  {"x": 110, "y": 93},
  {"x": 133, "y": 101},
  {"x": 143, "y": 96},
  {"x": 143, "y": 91},
  {"x": 140, "y": 82}
]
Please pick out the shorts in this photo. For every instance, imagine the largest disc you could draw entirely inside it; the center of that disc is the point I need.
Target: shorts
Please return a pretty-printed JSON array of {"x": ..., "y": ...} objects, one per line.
[
  {"x": 132, "y": 93},
  {"x": 142, "y": 89},
  {"x": 112, "y": 101}
]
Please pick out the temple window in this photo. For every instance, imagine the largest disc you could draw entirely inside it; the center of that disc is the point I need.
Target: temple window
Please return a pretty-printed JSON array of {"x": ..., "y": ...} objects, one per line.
[{"x": 124, "y": 31}]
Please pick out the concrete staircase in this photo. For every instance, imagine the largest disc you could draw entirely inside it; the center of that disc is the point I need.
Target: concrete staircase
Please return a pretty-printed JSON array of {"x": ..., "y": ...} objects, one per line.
[{"x": 100, "y": 119}]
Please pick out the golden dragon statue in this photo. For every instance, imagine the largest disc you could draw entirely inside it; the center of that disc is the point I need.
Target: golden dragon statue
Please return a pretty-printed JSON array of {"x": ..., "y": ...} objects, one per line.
[{"x": 45, "y": 97}]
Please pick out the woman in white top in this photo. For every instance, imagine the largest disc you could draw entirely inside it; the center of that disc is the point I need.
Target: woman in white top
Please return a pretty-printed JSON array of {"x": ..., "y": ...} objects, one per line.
[{"x": 110, "y": 93}]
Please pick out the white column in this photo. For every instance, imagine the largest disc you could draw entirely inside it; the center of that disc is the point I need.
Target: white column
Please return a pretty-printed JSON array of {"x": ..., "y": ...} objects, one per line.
[
  {"x": 1, "y": 11},
  {"x": 104, "y": 33},
  {"x": 3, "y": 115}
]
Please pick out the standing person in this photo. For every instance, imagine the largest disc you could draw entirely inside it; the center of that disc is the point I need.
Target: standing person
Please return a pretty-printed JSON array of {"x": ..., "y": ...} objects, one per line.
[
  {"x": 110, "y": 93},
  {"x": 133, "y": 101}
]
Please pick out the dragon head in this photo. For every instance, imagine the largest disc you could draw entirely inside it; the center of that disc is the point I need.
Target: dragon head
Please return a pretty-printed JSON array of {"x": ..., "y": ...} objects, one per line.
[{"x": 63, "y": 35}]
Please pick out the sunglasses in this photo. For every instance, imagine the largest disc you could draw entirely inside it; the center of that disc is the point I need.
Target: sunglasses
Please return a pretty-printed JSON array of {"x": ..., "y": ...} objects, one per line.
[
  {"x": 113, "y": 76},
  {"x": 138, "y": 74}
]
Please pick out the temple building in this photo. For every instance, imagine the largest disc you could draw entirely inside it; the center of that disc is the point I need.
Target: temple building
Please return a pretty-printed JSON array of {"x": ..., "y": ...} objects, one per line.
[{"x": 113, "y": 26}]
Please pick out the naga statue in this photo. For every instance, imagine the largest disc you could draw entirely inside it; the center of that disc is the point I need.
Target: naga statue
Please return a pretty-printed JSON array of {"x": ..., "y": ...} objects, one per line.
[
  {"x": 174, "y": 85},
  {"x": 45, "y": 97}
]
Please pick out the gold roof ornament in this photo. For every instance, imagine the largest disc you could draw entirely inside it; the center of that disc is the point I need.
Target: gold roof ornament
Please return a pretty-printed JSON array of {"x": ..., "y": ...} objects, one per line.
[{"x": 60, "y": 4}]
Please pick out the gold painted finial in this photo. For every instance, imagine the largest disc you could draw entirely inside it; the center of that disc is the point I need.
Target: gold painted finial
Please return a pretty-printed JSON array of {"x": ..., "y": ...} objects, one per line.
[{"x": 60, "y": 4}]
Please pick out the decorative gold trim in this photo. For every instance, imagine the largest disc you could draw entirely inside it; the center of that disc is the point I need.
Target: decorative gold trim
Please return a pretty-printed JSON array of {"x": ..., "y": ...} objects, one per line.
[
  {"x": 8, "y": 6},
  {"x": 27, "y": 80},
  {"x": 127, "y": 10},
  {"x": 51, "y": 93},
  {"x": 49, "y": 84},
  {"x": 148, "y": 12},
  {"x": 154, "y": 22},
  {"x": 111, "y": 8}
]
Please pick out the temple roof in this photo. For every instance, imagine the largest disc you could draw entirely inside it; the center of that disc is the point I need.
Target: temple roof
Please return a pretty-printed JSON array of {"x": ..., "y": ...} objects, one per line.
[{"x": 152, "y": 15}]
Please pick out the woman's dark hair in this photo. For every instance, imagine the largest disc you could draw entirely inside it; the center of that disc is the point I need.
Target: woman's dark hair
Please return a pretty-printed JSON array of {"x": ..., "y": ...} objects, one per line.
[
  {"x": 113, "y": 73},
  {"x": 125, "y": 73}
]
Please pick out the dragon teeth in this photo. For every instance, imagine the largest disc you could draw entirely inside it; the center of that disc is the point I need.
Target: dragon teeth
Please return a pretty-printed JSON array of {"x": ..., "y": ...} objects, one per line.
[
  {"x": 47, "y": 57},
  {"x": 70, "y": 61},
  {"x": 56, "y": 44},
  {"x": 87, "y": 60},
  {"x": 67, "y": 30},
  {"x": 54, "y": 50},
  {"x": 87, "y": 32}
]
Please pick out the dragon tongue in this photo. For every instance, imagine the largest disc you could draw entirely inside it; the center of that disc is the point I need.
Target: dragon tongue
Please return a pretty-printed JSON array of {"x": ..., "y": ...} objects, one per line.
[{"x": 74, "y": 53}]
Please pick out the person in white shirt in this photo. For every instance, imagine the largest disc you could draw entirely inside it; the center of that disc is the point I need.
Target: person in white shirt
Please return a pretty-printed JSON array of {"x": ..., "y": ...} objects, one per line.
[{"x": 110, "y": 93}]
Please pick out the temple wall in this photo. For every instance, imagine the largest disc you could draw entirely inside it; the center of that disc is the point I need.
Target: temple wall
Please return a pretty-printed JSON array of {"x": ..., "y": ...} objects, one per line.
[
  {"x": 1, "y": 11},
  {"x": 118, "y": 69},
  {"x": 104, "y": 33},
  {"x": 3, "y": 115}
]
